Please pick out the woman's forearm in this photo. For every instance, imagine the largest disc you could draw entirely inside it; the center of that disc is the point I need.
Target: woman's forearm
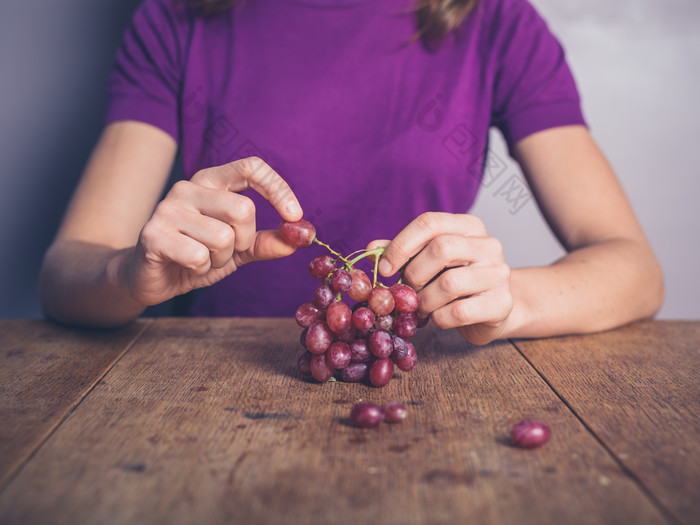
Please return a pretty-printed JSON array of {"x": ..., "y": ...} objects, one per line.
[
  {"x": 81, "y": 283},
  {"x": 594, "y": 288}
]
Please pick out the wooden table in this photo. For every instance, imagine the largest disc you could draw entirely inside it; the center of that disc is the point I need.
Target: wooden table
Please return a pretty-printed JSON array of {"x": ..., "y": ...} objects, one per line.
[{"x": 207, "y": 421}]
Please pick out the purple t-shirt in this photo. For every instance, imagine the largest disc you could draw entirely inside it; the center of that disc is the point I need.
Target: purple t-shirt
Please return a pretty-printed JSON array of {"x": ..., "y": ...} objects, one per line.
[{"x": 368, "y": 129}]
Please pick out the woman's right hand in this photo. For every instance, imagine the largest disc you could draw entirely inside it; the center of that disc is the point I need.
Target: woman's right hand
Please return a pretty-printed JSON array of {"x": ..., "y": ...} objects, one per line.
[{"x": 204, "y": 230}]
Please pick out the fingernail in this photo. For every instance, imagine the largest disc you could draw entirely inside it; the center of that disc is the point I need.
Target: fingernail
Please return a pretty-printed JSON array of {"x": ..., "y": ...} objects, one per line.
[
  {"x": 384, "y": 267},
  {"x": 293, "y": 208}
]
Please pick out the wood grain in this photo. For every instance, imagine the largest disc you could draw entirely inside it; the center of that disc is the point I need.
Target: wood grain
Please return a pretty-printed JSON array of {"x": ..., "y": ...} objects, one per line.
[
  {"x": 45, "y": 370},
  {"x": 638, "y": 389},
  {"x": 207, "y": 421}
]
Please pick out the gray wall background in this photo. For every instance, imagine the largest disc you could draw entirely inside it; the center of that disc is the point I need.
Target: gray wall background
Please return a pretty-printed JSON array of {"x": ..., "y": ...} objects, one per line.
[{"x": 637, "y": 63}]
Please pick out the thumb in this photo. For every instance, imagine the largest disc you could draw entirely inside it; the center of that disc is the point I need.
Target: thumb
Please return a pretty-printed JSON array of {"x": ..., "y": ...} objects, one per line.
[
  {"x": 377, "y": 244},
  {"x": 268, "y": 244}
]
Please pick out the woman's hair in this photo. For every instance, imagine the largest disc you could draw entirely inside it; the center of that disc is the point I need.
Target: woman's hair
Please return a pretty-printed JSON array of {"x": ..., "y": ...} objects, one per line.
[{"x": 435, "y": 18}]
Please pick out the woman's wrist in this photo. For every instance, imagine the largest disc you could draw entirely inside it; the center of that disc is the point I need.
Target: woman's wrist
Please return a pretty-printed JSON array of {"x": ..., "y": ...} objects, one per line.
[
  {"x": 83, "y": 284},
  {"x": 524, "y": 313},
  {"x": 591, "y": 289}
]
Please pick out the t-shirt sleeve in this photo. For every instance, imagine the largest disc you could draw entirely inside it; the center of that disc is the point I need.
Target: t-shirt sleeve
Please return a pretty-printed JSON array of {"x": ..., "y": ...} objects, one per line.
[
  {"x": 145, "y": 82},
  {"x": 534, "y": 88}
]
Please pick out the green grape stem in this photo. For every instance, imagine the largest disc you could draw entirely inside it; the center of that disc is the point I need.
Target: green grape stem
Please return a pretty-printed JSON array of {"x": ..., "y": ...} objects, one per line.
[
  {"x": 349, "y": 263},
  {"x": 327, "y": 247},
  {"x": 374, "y": 271},
  {"x": 377, "y": 252}
]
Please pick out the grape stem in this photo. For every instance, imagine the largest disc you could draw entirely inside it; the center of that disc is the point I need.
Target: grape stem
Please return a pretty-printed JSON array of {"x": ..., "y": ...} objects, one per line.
[
  {"x": 355, "y": 252},
  {"x": 374, "y": 271},
  {"x": 330, "y": 249},
  {"x": 376, "y": 252}
]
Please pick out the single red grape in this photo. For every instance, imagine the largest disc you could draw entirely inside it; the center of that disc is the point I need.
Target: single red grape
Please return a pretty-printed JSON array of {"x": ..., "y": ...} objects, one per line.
[
  {"x": 384, "y": 322},
  {"x": 405, "y": 326},
  {"x": 359, "y": 349},
  {"x": 339, "y": 317},
  {"x": 318, "y": 337},
  {"x": 363, "y": 318},
  {"x": 307, "y": 313},
  {"x": 341, "y": 280},
  {"x": 338, "y": 355},
  {"x": 400, "y": 348},
  {"x": 407, "y": 363},
  {"x": 380, "y": 344},
  {"x": 324, "y": 295},
  {"x": 321, "y": 266},
  {"x": 366, "y": 415},
  {"x": 354, "y": 372},
  {"x": 361, "y": 286},
  {"x": 405, "y": 297},
  {"x": 394, "y": 412},
  {"x": 304, "y": 363},
  {"x": 301, "y": 233},
  {"x": 380, "y": 372},
  {"x": 381, "y": 301},
  {"x": 529, "y": 434},
  {"x": 320, "y": 368}
]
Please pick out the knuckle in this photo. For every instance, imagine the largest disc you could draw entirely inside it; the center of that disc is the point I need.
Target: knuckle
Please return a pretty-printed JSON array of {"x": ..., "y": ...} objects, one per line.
[
  {"x": 165, "y": 209},
  {"x": 428, "y": 221},
  {"x": 449, "y": 282},
  {"x": 223, "y": 237},
  {"x": 245, "y": 209},
  {"x": 150, "y": 233},
  {"x": 253, "y": 163},
  {"x": 441, "y": 248},
  {"x": 199, "y": 257},
  {"x": 461, "y": 311},
  {"x": 227, "y": 211},
  {"x": 494, "y": 247},
  {"x": 200, "y": 176},
  {"x": 180, "y": 189},
  {"x": 503, "y": 272},
  {"x": 476, "y": 223}
]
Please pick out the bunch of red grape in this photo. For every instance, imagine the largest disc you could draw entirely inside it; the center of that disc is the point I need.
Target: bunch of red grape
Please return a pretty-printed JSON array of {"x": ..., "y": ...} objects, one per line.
[{"x": 365, "y": 341}]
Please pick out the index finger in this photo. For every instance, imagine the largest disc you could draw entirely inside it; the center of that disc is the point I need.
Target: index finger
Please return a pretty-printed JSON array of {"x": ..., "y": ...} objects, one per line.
[
  {"x": 255, "y": 173},
  {"x": 420, "y": 231}
]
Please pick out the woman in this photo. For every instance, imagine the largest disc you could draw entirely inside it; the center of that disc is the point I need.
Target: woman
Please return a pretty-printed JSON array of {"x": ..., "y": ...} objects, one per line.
[{"x": 375, "y": 116}]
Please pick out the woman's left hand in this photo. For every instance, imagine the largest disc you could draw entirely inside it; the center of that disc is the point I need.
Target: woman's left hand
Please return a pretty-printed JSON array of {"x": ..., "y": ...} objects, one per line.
[{"x": 458, "y": 270}]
